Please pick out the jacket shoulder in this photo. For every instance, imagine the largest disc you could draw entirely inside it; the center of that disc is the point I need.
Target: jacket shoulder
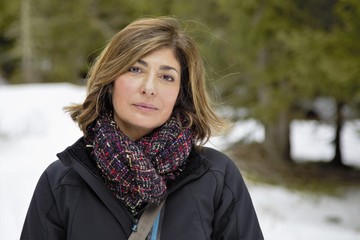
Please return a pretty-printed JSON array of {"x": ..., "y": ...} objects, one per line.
[
  {"x": 230, "y": 181},
  {"x": 58, "y": 174},
  {"x": 218, "y": 160},
  {"x": 235, "y": 216}
]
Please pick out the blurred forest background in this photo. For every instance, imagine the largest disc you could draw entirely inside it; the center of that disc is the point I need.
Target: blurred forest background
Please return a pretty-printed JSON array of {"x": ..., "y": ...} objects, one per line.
[{"x": 272, "y": 61}]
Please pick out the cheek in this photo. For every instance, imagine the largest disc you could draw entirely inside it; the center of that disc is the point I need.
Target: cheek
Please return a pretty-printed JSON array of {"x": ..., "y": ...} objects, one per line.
[
  {"x": 121, "y": 86},
  {"x": 121, "y": 90},
  {"x": 171, "y": 97}
]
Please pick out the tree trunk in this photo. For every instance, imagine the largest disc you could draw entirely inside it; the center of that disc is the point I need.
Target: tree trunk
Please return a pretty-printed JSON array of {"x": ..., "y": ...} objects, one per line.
[
  {"x": 27, "y": 67},
  {"x": 277, "y": 138},
  {"x": 339, "y": 122}
]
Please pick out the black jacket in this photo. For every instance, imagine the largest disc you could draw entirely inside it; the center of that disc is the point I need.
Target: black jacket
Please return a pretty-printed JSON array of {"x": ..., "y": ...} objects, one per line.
[{"x": 210, "y": 201}]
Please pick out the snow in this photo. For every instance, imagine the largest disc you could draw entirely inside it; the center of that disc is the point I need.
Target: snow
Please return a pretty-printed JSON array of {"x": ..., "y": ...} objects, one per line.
[
  {"x": 33, "y": 128},
  {"x": 311, "y": 140}
]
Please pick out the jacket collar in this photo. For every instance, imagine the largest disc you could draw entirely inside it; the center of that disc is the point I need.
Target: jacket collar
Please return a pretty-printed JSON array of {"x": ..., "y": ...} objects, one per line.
[
  {"x": 196, "y": 166},
  {"x": 78, "y": 157}
]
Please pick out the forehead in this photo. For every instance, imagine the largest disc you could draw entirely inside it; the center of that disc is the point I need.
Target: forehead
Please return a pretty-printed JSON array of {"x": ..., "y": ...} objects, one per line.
[{"x": 161, "y": 56}]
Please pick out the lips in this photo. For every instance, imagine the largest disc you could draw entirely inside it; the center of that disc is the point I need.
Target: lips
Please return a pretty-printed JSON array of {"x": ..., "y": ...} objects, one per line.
[{"x": 145, "y": 106}]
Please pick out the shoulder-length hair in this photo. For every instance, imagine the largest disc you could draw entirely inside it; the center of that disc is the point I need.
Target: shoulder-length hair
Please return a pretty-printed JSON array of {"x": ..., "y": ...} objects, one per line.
[{"x": 131, "y": 44}]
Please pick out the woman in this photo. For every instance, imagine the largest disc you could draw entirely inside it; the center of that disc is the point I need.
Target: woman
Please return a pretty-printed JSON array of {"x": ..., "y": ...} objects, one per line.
[{"x": 145, "y": 118}]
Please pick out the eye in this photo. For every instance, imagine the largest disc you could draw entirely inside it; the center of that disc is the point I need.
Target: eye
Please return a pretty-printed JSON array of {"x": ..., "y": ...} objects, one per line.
[
  {"x": 168, "y": 78},
  {"x": 135, "y": 69}
]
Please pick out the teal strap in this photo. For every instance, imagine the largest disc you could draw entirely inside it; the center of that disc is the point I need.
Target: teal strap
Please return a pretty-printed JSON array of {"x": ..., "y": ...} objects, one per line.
[{"x": 155, "y": 228}]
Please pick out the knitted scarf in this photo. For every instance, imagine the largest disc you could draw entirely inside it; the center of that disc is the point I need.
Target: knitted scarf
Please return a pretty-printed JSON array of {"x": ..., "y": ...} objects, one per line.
[{"x": 136, "y": 172}]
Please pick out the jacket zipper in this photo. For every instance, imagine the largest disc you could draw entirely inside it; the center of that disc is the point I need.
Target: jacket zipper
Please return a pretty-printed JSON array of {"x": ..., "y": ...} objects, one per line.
[
  {"x": 135, "y": 220},
  {"x": 135, "y": 225}
]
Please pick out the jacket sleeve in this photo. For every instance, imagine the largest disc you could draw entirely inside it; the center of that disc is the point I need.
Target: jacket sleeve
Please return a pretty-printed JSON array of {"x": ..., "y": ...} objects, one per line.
[
  {"x": 42, "y": 220},
  {"x": 235, "y": 217}
]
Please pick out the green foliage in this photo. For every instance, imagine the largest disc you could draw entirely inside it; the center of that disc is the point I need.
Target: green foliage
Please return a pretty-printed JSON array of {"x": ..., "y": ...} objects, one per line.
[
  {"x": 290, "y": 51},
  {"x": 8, "y": 15},
  {"x": 328, "y": 61},
  {"x": 262, "y": 61},
  {"x": 68, "y": 34},
  {"x": 66, "y": 37}
]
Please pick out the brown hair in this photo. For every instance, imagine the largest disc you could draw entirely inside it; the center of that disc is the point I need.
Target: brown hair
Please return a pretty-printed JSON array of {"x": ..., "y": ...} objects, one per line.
[{"x": 131, "y": 44}]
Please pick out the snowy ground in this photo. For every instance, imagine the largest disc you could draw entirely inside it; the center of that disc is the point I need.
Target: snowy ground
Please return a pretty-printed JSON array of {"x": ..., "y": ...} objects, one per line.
[{"x": 33, "y": 128}]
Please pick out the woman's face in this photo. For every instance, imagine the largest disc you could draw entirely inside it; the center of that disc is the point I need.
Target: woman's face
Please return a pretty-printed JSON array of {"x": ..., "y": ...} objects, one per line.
[{"x": 144, "y": 96}]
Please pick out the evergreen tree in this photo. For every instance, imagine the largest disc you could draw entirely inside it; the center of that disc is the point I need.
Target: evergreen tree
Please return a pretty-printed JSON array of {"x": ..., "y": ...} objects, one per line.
[
  {"x": 288, "y": 52},
  {"x": 328, "y": 63}
]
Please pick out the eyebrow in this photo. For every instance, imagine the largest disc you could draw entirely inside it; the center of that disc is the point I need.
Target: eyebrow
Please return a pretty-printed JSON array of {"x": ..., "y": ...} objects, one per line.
[{"x": 162, "y": 67}]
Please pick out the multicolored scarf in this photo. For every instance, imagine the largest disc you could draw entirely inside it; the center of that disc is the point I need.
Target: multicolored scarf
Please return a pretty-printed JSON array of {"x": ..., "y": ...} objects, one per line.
[{"x": 137, "y": 171}]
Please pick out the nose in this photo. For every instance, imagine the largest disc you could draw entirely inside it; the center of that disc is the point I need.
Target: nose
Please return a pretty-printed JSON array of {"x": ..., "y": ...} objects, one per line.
[{"x": 148, "y": 87}]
